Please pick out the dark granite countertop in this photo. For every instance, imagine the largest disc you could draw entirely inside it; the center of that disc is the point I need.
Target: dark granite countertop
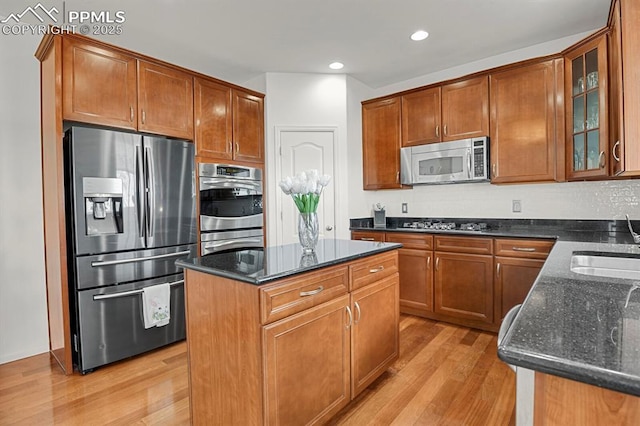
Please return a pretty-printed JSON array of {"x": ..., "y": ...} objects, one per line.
[
  {"x": 260, "y": 266},
  {"x": 599, "y": 231},
  {"x": 577, "y": 326}
]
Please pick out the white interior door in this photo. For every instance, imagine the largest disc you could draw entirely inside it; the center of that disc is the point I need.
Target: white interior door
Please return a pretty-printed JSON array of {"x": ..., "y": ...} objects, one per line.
[{"x": 300, "y": 150}]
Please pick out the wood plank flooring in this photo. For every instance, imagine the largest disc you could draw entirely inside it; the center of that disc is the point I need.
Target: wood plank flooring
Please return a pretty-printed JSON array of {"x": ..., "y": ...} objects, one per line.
[{"x": 446, "y": 375}]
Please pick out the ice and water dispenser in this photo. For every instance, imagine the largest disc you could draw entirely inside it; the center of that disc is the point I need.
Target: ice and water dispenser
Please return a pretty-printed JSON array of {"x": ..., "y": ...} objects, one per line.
[{"x": 102, "y": 205}]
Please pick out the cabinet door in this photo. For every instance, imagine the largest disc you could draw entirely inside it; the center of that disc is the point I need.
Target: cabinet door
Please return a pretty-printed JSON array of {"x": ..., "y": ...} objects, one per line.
[
  {"x": 523, "y": 124},
  {"x": 514, "y": 278},
  {"x": 586, "y": 109},
  {"x": 306, "y": 366},
  {"x": 464, "y": 286},
  {"x": 381, "y": 144},
  {"x": 99, "y": 85},
  {"x": 213, "y": 129},
  {"x": 465, "y": 109},
  {"x": 375, "y": 331},
  {"x": 165, "y": 100},
  {"x": 421, "y": 117},
  {"x": 248, "y": 127},
  {"x": 416, "y": 279},
  {"x": 616, "y": 117}
]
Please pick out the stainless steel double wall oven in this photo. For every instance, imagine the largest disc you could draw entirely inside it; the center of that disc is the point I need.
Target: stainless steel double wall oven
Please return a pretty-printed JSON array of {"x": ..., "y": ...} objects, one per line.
[{"x": 231, "y": 215}]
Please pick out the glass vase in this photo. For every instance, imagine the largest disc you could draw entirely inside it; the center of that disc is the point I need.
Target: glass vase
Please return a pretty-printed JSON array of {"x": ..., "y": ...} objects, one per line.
[{"x": 308, "y": 231}]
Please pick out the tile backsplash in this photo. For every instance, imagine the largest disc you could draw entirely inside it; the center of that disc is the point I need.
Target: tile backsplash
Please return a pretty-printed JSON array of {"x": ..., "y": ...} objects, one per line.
[{"x": 567, "y": 200}]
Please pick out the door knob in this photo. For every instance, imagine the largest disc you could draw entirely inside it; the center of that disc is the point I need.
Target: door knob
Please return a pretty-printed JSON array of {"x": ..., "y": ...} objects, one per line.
[{"x": 329, "y": 228}]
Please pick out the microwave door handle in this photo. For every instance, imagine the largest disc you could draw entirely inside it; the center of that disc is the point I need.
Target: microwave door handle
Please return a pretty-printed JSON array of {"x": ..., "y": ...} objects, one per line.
[
  {"x": 140, "y": 194},
  {"x": 469, "y": 163}
]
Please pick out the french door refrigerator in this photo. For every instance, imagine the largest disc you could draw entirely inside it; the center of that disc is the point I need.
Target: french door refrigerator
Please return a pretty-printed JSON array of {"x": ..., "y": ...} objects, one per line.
[{"x": 131, "y": 213}]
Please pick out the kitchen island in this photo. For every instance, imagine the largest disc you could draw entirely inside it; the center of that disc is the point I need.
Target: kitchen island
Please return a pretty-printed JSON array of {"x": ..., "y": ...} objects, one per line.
[{"x": 275, "y": 336}]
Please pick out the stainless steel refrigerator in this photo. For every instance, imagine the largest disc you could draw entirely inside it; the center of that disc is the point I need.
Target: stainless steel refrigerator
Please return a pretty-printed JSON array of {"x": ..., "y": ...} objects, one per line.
[{"x": 131, "y": 213}]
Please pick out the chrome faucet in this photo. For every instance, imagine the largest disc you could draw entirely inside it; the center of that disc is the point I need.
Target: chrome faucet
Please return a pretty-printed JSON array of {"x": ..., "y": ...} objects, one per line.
[{"x": 636, "y": 237}]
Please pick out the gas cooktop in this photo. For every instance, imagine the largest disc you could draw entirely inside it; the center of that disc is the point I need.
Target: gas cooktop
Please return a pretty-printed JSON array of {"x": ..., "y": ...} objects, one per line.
[{"x": 446, "y": 226}]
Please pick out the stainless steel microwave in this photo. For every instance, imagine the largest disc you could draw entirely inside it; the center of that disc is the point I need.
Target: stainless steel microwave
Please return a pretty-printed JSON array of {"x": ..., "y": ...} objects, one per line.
[{"x": 465, "y": 160}]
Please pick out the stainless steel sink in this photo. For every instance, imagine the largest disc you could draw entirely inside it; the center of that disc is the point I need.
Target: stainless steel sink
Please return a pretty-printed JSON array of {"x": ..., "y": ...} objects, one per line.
[{"x": 600, "y": 264}]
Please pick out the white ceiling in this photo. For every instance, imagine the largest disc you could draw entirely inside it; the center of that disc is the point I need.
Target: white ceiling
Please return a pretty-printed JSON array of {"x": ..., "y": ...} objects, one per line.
[{"x": 237, "y": 40}]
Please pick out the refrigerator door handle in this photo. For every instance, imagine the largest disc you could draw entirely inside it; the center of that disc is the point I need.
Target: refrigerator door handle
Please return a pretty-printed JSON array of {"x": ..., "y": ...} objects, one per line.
[
  {"x": 140, "y": 208},
  {"x": 128, "y": 293},
  {"x": 138, "y": 259},
  {"x": 150, "y": 189}
]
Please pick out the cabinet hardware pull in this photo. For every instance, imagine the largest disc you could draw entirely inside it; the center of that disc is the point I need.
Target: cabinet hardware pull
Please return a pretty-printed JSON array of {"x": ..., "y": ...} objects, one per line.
[
  {"x": 428, "y": 262},
  {"x": 498, "y": 270},
  {"x": 237, "y": 147},
  {"x": 397, "y": 177},
  {"x": 613, "y": 151},
  {"x": 311, "y": 292},
  {"x": 367, "y": 239},
  {"x": 437, "y": 131},
  {"x": 144, "y": 117},
  {"x": 437, "y": 262},
  {"x": 375, "y": 270},
  {"x": 493, "y": 169},
  {"x": 359, "y": 313},
  {"x": 130, "y": 113},
  {"x": 529, "y": 249},
  {"x": 445, "y": 130},
  {"x": 602, "y": 160},
  {"x": 230, "y": 146},
  {"x": 350, "y": 317}
]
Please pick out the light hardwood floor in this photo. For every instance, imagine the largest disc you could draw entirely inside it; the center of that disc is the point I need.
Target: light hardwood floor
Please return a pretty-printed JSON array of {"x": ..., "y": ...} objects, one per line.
[{"x": 446, "y": 375}]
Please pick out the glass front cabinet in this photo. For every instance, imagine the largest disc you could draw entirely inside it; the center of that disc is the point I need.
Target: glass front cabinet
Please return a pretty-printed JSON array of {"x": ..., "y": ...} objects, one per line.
[{"x": 586, "y": 107}]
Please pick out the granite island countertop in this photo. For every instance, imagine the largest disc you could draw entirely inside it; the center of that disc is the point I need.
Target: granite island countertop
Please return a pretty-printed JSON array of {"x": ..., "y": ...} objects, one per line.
[
  {"x": 579, "y": 327},
  {"x": 262, "y": 265}
]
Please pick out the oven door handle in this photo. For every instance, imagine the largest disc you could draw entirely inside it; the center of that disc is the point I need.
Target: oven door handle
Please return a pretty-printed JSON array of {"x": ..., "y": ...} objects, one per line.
[
  {"x": 210, "y": 183},
  {"x": 218, "y": 244},
  {"x": 129, "y": 293}
]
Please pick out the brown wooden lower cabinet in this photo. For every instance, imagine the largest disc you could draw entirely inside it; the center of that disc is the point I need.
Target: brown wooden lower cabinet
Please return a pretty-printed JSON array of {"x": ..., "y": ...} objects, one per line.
[
  {"x": 278, "y": 355},
  {"x": 468, "y": 280},
  {"x": 464, "y": 286},
  {"x": 306, "y": 365},
  {"x": 560, "y": 402},
  {"x": 514, "y": 278}
]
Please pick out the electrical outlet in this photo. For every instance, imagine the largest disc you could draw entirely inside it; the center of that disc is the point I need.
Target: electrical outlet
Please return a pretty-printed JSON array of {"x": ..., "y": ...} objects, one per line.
[
  {"x": 405, "y": 208},
  {"x": 516, "y": 206}
]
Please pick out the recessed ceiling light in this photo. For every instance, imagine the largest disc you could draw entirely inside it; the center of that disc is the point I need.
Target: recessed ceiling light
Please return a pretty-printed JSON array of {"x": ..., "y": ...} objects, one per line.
[
  {"x": 336, "y": 65},
  {"x": 419, "y": 35}
]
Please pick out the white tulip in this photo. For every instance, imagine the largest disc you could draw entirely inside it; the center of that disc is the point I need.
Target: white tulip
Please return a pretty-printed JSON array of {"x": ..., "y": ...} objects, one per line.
[
  {"x": 286, "y": 185},
  {"x": 298, "y": 185},
  {"x": 324, "y": 180}
]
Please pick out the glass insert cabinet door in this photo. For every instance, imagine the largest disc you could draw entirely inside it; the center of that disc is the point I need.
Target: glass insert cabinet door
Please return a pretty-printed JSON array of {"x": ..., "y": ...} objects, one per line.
[{"x": 586, "y": 104}]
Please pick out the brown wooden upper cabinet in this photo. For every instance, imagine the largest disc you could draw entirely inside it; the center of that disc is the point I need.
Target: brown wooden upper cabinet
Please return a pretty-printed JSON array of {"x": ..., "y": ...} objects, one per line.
[
  {"x": 107, "y": 87},
  {"x": 99, "y": 85},
  {"x": 526, "y": 123},
  {"x": 165, "y": 100},
  {"x": 381, "y": 143},
  {"x": 586, "y": 109},
  {"x": 453, "y": 111},
  {"x": 624, "y": 74},
  {"x": 229, "y": 122}
]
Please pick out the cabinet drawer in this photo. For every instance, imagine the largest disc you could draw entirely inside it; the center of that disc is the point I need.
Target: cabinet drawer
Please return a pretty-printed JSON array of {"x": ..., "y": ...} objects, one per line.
[
  {"x": 532, "y": 249},
  {"x": 367, "y": 236},
  {"x": 302, "y": 292},
  {"x": 410, "y": 241},
  {"x": 471, "y": 245},
  {"x": 372, "y": 269}
]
